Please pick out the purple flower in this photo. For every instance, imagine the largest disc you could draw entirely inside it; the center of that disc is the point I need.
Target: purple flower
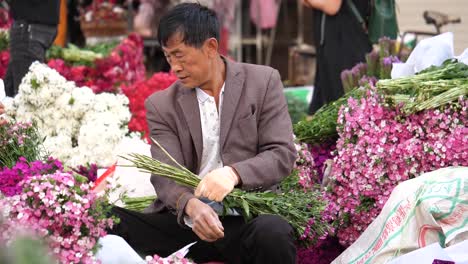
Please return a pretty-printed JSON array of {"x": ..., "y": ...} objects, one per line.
[
  {"x": 89, "y": 172},
  {"x": 378, "y": 148},
  {"x": 10, "y": 178}
]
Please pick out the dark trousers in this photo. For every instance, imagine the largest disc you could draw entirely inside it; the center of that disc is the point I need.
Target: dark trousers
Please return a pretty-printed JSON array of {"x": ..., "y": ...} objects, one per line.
[
  {"x": 265, "y": 239},
  {"x": 28, "y": 43}
]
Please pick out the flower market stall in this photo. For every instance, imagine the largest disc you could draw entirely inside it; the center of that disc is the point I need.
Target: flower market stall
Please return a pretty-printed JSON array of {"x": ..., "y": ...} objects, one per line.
[
  {"x": 79, "y": 122},
  {"x": 387, "y": 131}
]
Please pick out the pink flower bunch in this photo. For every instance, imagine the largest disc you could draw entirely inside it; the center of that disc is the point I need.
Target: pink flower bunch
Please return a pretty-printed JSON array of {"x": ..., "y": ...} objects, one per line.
[
  {"x": 10, "y": 178},
  {"x": 378, "y": 148},
  {"x": 122, "y": 67},
  {"x": 64, "y": 211},
  {"x": 305, "y": 166},
  {"x": 176, "y": 259},
  {"x": 19, "y": 140},
  {"x": 321, "y": 153}
]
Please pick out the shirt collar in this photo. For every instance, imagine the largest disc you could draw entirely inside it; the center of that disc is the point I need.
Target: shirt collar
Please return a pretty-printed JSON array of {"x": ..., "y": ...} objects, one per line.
[{"x": 202, "y": 96}]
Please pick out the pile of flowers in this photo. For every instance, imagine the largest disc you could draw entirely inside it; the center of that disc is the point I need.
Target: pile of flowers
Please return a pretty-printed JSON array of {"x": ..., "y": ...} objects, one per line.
[
  {"x": 79, "y": 126},
  {"x": 321, "y": 153},
  {"x": 324, "y": 252},
  {"x": 61, "y": 209},
  {"x": 379, "y": 147},
  {"x": 17, "y": 140},
  {"x": 122, "y": 67},
  {"x": 327, "y": 247},
  {"x": 305, "y": 166},
  {"x": 10, "y": 178},
  {"x": 137, "y": 95}
]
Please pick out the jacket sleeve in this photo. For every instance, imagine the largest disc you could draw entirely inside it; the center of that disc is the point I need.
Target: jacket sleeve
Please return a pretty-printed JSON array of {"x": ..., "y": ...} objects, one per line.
[
  {"x": 173, "y": 195},
  {"x": 276, "y": 152}
]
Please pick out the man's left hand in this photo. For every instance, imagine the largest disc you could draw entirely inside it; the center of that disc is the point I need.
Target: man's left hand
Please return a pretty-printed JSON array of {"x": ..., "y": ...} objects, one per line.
[{"x": 217, "y": 184}]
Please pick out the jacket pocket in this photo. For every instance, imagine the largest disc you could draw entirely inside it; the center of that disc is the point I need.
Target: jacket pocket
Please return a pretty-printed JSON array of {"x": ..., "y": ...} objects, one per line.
[{"x": 248, "y": 135}]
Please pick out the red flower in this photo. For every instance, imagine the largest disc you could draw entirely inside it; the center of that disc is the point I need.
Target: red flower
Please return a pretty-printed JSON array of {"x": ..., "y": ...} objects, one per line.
[
  {"x": 4, "y": 58},
  {"x": 123, "y": 67},
  {"x": 137, "y": 95}
]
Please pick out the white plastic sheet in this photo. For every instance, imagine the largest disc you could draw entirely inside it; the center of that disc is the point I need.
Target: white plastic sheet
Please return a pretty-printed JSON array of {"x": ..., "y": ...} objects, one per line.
[
  {"x": 134, "y": 183},
  {"x": 428, "y": 52},
  {"x": 457, "y": 253},
  {"x": 431, "y": 208}
]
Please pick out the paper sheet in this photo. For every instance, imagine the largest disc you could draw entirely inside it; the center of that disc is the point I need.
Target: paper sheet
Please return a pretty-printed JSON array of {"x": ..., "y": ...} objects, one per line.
[{"x": 115, "y": 250}]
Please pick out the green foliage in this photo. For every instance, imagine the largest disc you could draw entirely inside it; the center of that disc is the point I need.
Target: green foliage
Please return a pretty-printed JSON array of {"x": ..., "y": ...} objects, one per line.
[
  {"x": 81, "y": 56},
  {"x": 431, "y": 88},
  {"x": 297, "y": 108},
  {"x": 20, "y": 140},
  {"x": 25, "y": 250},
  {"x": 322, "y": 126},
  {"x": 4, "y": 40}
]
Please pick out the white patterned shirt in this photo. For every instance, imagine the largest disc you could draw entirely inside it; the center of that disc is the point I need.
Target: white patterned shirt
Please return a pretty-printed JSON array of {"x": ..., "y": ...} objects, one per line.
[
  {"x": 210, "y": 123},
  {"x": 211, "y": 155}
]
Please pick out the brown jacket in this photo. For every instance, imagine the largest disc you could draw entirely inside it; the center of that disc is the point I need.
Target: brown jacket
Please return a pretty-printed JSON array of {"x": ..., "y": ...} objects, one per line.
[{"x": 256, "y": 135}]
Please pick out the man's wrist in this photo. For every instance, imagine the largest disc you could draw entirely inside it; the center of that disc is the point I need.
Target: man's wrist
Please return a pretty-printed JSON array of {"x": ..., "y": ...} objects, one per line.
[
  {"x": 235, "y": 176},
  {"x": 189, "y": 206}
]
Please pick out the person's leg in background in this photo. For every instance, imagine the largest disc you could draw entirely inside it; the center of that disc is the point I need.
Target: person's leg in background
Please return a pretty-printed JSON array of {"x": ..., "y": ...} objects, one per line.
[
  {"x": 28, "y": 43},
  {"x": 19, "y": 58}
]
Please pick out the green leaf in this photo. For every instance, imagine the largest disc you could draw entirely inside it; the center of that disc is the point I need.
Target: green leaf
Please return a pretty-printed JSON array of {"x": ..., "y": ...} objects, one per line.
[{"x": 246, "y": 208}]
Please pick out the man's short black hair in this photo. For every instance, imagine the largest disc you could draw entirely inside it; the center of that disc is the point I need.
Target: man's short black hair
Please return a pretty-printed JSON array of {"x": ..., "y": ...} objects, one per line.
[{"x": 195, "y": 23}]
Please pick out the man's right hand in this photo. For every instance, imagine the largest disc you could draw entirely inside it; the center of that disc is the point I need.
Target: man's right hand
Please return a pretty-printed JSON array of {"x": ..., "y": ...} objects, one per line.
[{"x": 206, "y": 223}]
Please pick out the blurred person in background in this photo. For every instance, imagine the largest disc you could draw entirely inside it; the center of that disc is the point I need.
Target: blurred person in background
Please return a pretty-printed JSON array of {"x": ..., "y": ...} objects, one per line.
[
  {"x": 340, "y": 41},
  {"x": 147, "y": 17},
  {"x": 32, "y": 33}
]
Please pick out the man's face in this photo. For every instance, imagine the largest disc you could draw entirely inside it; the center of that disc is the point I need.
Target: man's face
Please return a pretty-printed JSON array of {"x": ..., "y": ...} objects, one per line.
[{"x": 190, "y": 64}]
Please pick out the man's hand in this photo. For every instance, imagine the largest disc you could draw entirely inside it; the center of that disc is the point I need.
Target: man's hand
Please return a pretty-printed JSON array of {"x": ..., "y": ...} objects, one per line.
[
  {"x": 306, "y": 3},
  {"x": 217, "y": 184},
  {"x": 206, "y": 222},
  {"x": 2, "y": 111}
]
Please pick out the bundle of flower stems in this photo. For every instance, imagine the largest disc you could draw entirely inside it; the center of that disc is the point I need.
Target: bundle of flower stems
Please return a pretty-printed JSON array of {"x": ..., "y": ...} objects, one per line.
[
  {"x": 138, "y": 203},
  {"x": 322, "y": 126},
  {"x": 429, "y": 89},
  {"x": 301, "y": 208}
]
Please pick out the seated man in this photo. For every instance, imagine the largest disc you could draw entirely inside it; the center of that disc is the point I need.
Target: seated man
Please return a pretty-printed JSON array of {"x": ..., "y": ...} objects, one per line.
[{"x": 227, "y": 122}]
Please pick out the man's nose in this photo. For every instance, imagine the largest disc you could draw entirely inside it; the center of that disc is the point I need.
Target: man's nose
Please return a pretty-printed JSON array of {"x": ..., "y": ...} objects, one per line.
[{"x": 176, "y": 67}]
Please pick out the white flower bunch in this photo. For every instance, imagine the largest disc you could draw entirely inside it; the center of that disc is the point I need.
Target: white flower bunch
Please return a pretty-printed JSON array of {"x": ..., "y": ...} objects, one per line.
[{"x": 79, "y": 126}]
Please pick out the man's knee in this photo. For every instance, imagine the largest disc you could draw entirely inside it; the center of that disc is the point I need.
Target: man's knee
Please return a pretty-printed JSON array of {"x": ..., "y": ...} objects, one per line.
[{"x": 269, "y": 230}]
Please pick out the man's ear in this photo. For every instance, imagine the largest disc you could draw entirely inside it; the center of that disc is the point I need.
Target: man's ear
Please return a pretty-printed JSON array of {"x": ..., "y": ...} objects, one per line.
[{"x": 211, "y": 47}]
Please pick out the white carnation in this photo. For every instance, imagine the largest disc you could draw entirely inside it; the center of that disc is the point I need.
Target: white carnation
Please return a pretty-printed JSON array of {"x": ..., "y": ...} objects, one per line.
[{"x": 79, "y": 126}]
